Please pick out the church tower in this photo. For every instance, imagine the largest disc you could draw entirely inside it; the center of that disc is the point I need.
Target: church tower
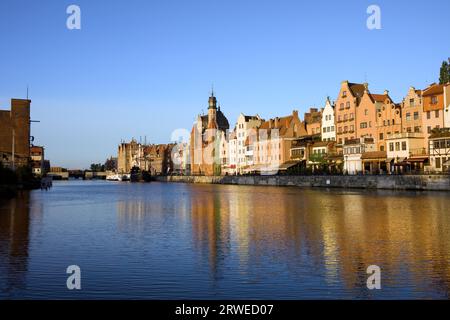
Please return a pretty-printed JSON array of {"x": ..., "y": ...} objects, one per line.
[{"x": 212, "y": 112}]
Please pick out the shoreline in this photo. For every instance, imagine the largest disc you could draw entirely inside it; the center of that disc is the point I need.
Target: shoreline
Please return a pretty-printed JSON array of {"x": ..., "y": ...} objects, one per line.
[{"x": 394, "y": 182}]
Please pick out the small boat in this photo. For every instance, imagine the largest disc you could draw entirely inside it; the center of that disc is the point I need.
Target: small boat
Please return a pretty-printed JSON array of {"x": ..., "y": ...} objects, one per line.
[{"x": 113, "y": 177}]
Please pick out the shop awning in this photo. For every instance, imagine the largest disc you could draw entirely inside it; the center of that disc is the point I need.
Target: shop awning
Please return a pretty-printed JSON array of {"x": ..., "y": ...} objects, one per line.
[
  {"x": 288, "y": 165},
  {"x": 374, "y": 156},
  {"x": 417, "y": 159}
]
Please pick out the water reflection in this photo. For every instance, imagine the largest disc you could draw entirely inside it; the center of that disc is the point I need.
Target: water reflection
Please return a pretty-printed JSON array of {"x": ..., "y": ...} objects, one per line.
[
  {"x": 202, "y": 241},
  {"x": 341, "y": 233},
  {"x": 14, "y": 242}
]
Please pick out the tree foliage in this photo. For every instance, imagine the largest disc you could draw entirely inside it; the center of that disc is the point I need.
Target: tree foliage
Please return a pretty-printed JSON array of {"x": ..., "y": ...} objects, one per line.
[{"x": 444, "y": 74}]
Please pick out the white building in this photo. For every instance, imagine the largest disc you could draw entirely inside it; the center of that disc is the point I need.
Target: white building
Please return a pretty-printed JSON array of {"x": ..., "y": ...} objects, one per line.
[
  {"x": 245, "y": 131},
  {"x": 328, "y": 124},
  {"x": 232, "y": 154},
  {"x": 353, "y": 151},
  {"x": 405, "y": 148},
  {"x": 447, "y": 106}
]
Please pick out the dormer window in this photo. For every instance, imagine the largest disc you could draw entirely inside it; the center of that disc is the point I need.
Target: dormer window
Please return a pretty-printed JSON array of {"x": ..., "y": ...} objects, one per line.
[
  {"x": 344, "y": 94},
  {"x": 434, "y": 100}
]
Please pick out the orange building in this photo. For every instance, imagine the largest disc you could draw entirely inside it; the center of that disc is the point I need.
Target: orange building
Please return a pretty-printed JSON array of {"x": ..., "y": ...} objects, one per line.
[
  {"x": 433, "y": 107},
  {"x": 348, "y": 100},
  {"x": 313, "y": 121},
  {"x": 274, "y": 140},
  {"x": 389, "y": 119},
  {"x": 366, "y": 115}
]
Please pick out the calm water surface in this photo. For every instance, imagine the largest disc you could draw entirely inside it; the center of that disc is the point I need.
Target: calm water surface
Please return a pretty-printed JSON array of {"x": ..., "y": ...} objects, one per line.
[{"x": 176, "y": 241}]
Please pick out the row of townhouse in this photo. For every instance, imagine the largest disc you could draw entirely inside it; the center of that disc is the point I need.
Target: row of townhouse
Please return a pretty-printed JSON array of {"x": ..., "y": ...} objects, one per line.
[
  {"x": 360, "y": 132},
  {"x": 402, "y": 134}
]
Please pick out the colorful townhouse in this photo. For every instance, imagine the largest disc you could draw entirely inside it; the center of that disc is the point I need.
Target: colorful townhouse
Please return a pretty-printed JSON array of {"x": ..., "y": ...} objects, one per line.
[
  {"x": 272, "y": 148},
  {"x": 433, "y": 109},
  {"x": 389, "y": 118},
  {"x": 348, "y": 100},
  {"x": 412, "y": 111},
  {"x": 328, "y": 122},
  {"x": 245, "y": 130},
  {"x": 313, "y": 121}
]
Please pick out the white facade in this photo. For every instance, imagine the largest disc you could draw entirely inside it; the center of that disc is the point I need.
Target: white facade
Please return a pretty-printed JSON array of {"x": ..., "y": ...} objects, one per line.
[
  {"x": 245, "y": 132},
  {"x": 328, "y": 124},
  {"x": 232, "y": 153},
  {"x": 353, "y": 151},
  {"x": 447, "y": 106}
]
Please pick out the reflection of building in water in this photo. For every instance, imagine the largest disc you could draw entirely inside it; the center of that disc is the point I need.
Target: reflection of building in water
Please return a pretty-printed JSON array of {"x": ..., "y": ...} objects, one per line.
[
  {"x": 210, "y": 223},
  {"x": 400, "y": 233},
  {"x": 335, "y": 234},
  {"x": 14, "y": 242}
]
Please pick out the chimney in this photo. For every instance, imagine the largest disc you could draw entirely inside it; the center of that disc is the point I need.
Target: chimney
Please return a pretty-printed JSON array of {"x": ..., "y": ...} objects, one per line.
[
  {"x": 295, "y": 113},
  {"x": 386, "y": 92},
  {"x": 277, "y": 121},
  {"x": 270, "y": 123}
]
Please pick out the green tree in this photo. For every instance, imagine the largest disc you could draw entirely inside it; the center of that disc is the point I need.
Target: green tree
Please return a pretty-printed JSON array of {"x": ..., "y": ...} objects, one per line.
[
  {"x": 97, "y": 167},
  {"x": 444, "y": 74}
]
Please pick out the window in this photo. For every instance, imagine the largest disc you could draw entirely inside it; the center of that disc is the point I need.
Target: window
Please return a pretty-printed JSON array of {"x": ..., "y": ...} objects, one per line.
[
  {"x": 403, "y": 145},
  {"x": 332, "y": 128},
  {"x": 438, "y": 163},
  {"x": 381, "y": 136},
  {"x": 381, "y": 148},
  {"x": 366, "y": 112},
  {"x": 363, "y": 125},
  {"x": 417, "y": 129},
  {"x": 408, "y": 116},
  {"x": 391, "y": 146},
  {"x": 436, "y": 114},
  {"x": 345, "y": 117},
  {"x": 434, "y": 100},
  {"x": 352, "y": 128},
  {"x": 428, "y": 115},
  {"x": 408, "y": 129},
  {"x": 344, "y": 94},
  {"x": 429, "y": 129},
  {"x": 352, "y": 116},
  {"x": 411, "y": 102},
  {"x": 324, "y": 130},
  {"x": 342, "y": 106},
  {"x": 416, "y": 116},
  {"x": 397, "y": 146},
  {"x": 348, "y": 104}
]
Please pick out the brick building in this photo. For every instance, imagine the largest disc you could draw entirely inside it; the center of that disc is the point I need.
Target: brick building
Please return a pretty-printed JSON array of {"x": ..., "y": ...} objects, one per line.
[
  {"x": 15, "y": 126},
  {"x": 205, "y": 158}
]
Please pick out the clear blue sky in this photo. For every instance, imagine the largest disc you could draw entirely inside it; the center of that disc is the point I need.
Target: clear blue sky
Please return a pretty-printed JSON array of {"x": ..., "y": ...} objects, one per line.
[{"x": 141, "y": 68}]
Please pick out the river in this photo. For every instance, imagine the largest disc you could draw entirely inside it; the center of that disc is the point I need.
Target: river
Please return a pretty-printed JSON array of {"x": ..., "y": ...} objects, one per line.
[{"x": 185, "y": 241}]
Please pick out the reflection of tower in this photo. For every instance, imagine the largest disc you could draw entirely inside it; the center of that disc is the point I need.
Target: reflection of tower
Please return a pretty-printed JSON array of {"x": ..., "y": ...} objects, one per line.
[{"x": 15, "y": 229}]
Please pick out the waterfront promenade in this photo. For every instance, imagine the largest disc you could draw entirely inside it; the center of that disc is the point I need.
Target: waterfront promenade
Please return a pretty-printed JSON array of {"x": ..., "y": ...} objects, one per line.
[{"x": 389, "y": 182}]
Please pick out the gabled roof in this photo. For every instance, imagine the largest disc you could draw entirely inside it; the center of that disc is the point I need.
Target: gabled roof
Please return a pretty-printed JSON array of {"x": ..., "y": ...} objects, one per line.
[
  {"x": 378, "y": 97},
  {"x": 357, "y": 89},
  {"x": 433, "y": 89}
]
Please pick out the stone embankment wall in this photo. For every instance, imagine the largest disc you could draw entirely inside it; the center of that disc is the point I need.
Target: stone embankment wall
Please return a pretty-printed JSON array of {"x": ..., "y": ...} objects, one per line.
[{"x": 394, "y": 182}]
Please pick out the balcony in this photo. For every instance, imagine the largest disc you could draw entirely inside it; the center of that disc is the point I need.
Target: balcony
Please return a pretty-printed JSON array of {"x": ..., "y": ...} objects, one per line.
[{"x": 418, "y": 152}]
